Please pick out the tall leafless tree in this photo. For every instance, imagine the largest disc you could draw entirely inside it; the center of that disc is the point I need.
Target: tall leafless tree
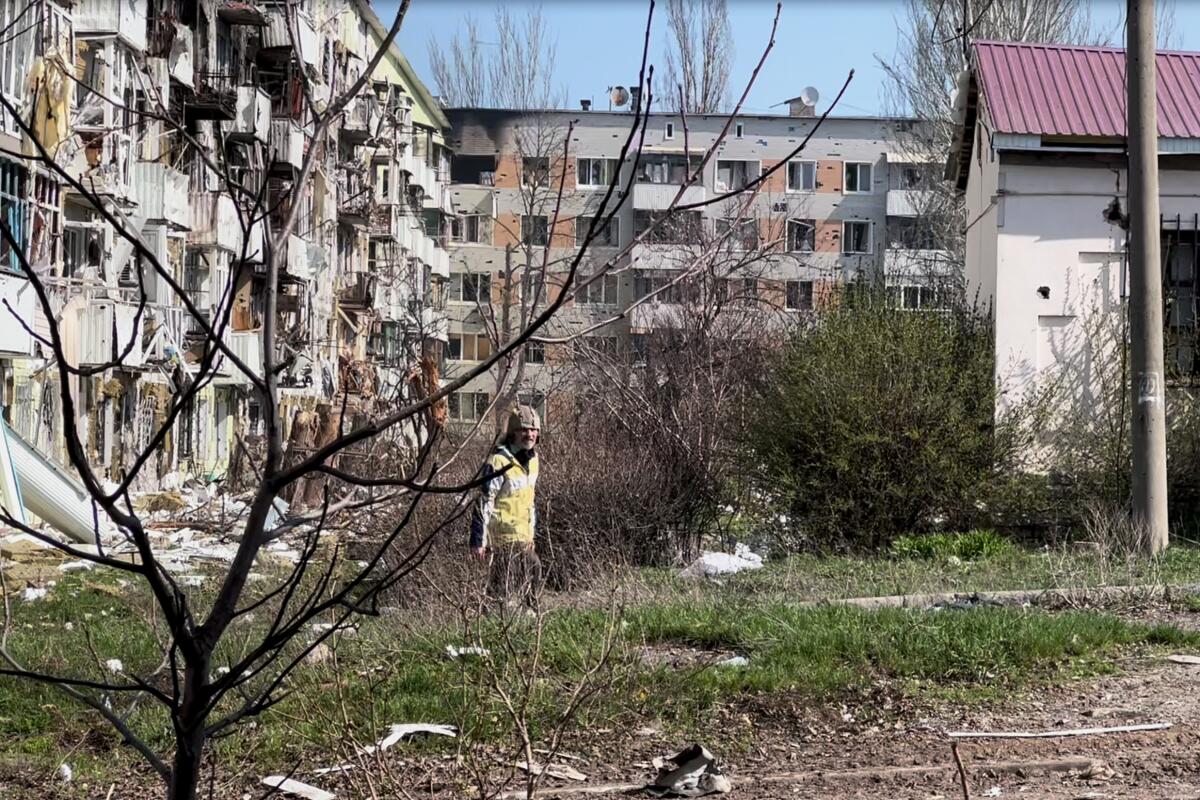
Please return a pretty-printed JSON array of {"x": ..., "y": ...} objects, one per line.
[{"x": 699, "y": 56}]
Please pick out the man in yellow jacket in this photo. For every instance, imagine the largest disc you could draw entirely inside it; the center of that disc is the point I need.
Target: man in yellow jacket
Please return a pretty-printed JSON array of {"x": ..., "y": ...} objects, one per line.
[{"x": 505, "y": 520}]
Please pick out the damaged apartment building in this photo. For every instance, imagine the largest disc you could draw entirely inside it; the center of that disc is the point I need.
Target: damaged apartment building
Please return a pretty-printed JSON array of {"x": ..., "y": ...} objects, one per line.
[
  {"x": 180, "y": 118},
  {"x": 845, "y": 208}
]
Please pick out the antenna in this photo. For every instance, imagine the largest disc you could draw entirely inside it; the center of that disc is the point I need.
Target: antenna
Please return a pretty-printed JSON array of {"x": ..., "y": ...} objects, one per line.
[
  {"x": 810, "y": 96},
  {"x": 618, "y": 96}
]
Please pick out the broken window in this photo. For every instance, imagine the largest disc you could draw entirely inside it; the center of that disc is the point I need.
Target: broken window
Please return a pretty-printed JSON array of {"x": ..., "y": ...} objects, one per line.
[
  {"x": 799, "y": 296},
  {"x": 535, "y": 353},
  {"x": 856, "y": 236},
  {"x": 467, "y": 406},
  {"x": 15, "y": 210},
  {"x": 535, "y": 170},
  {"x": 600, "y": 292},
  {"x": 606, "y": 236},
  {"x": 801, "y": 235},
  {"x": 473, "y": 169},
  {"x": 679, "y": 227},
  {"x": 471, "y": 229},
  {"x": 734, "y": 176},
  {"x": 470, "y": 287},
  {"x": 665, "y": 168},
  {"x": 535, "y": 230},
  {"x": 802, "y": 176},
  {"x": 858, "y": 178},
  {"x": 596, "y": 172},
  {"x": 741, "y": 235}
]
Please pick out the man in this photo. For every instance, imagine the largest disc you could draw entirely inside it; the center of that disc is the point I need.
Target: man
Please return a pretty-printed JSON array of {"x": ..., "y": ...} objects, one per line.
[{"x": 502, "y": 527}]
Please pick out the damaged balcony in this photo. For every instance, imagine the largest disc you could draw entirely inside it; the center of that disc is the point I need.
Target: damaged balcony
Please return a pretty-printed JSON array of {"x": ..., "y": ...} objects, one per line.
[
  {"x": 277, "y": 40},
  {"x": 17, "y": 294},
  {"x": 171, "y": 41},
  {"x": 293, "y": 261},
  {"x": 235, "y": 12},
  {"x": 355, "y": 199},
  {"x": 359, "y": 120},
  {"x": 215, "y": 221},
  {"x": 357, "y": 291},
  {"x": 253, "y": 116},
  {"x": 162, "y": 194},
  {"x": 215, "y": 97},
  {"x": 286, "y": 144},
  {"x": 106, "y": 327},
  {"x": 125, "y": 19}
]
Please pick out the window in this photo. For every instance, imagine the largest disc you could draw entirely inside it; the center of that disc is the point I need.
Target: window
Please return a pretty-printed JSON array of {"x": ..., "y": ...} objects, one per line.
[
  {"x": 741, "y": 235},
  {"x": 608, "y": 235},
  {"x": 801, "y": 235},
  {"x": 535, "y": 170},
  {"x": 738, "y": 130},
  {"x": 679, "y": 227},
  {"x": 471, "y": 287},
  {"x": 733, "y": 176},
  {"x": 917, "y": 297},
  {"x": 648, "y": 283},
  {"x": 469, "y": 347},
  {"x": 749, "y": 289},
  {"x": 596, "y": 172},
  {"x": 535, "y": 230},
  {"x": 387, "y": 343},
  {"x": 670, "y": 134},
  {"x": 467, "y": 406},
  {"x": 904, "y": 177},
  {"x": 858, "y": 179},
  {"x": 600, "y": 292},
  {"x": 535, "y": 352},
  {"x": 664, "y": 168},
  {"x": 15, "y": 208},
  {"x": 471, "y": 229},
  {"x": 802, "y": 176},
  {"x": 799, "y": 296},
  {"x": 383, "y": 183},
  {"x": 639, "y": 346},
  {"x": 856, "y": 236},
  {"x": 906, "y": 233}
]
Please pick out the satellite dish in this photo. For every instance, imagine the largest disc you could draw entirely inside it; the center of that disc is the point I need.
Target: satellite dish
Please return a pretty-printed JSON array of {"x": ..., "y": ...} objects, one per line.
[
  {"x": 619, "y": 96},
  {"x": 810, "y": 96}
]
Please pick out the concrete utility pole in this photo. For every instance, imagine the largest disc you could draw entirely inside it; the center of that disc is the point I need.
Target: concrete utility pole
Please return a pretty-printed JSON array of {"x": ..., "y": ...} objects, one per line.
[{"x": 1145, "y": 283}]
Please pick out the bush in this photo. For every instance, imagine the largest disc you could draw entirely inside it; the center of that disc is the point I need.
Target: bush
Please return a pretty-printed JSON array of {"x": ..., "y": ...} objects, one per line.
[
  {"x": 877, "y": 421},
  {"x": 969, "y": 546}
]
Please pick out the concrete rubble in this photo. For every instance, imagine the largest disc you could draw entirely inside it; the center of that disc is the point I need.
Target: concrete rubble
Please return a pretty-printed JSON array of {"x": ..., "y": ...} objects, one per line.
[
  {"x": 712, "y": 564},
  {"x": 690, "y": 773}
]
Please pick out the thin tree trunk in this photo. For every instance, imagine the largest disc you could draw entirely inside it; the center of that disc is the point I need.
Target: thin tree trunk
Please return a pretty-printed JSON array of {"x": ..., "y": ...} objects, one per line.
[{"x": 189, "y": 736}]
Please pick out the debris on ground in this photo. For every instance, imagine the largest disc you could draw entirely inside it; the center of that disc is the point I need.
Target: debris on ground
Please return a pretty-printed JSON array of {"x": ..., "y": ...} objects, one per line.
[
  {"x": 462, "y": 652},
  {"x": 1184, "y": 659},
  {"x": 114, "y": 666},
  {"x": 65, "y": 773},
  {"x": 560, "y": 771},
  {"x": 318, "y": 655},
  {"x": 966, "y": 603},
  {"x": 294, "y": 787},
  {"x": 32, "y": 593},
  {"x": 711, "y": 564},
  {"x": 736, "y": 661},
  {"x": 405, "y": 730},
  {"x": 690, "y": 773}
]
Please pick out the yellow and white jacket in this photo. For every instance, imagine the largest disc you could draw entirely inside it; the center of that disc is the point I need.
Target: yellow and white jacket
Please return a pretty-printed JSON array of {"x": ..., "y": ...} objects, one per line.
[{"x": 506, "y": 513}]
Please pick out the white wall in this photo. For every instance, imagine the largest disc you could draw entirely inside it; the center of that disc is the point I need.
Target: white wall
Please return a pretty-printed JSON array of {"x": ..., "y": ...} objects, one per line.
[{"x": 1050, "y": 232}]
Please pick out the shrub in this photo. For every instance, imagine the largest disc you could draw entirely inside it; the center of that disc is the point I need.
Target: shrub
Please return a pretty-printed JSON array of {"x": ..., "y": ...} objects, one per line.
[{"x": 968, "y": 546}]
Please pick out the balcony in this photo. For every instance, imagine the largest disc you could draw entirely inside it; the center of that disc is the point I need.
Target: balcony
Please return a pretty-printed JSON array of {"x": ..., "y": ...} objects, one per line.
[
  {"x": 907, "y": 202},
  {"x": 17, "y": 294},
  {"x": 899, "y": 262},
  {"x": 355, "y": 199},
  {"x": 435, "y": 323},
  {"x": 660, "y": 256},
  {"x": 659, "y": 196},
  {"x": 359, "y": 120},
  {"x": 162, "y": 194},
  {"x": 294, "y": 259},
  {"x": 235, "y": 12},
  {"x": 168, "y": 326},
  {"x": 215, "y": 221},
  {"x": 247, "y": 346},
  {"x": 125, "y": 19},
  {"x": 356, "y": 290},
  {"x": 653, "y": 315},
  {"x": 276, "y": 36},
  {"x": 98, "y": 320},
  {"x": 253, "y": 115},
  {"x": 171, "y": 41},
  {"x": 286, "y": 147},
  {"x": 215, "y": 98},
  {"x": 439, "y": 263}
]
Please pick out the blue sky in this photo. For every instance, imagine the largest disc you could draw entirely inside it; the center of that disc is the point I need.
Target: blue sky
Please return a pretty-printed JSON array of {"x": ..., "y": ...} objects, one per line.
[{"x": 599, "y": 43}]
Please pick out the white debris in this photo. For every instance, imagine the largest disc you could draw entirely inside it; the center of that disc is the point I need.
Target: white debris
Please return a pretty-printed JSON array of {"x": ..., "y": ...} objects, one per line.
[
  {"x": 68, "y": 626},
  {"x": 32, "y": 593},
  {"x": 318, "y": 655},
  {"x": 289, "y": 786},
  {"x": 407, "y": 729},
  {"x": 691, "y": 773},
  {"x": 192, "y": 580},
  {"x": 65, "y": 773},
  {"x": 735, "y": 661},
  {"x": 560, "y": 771},
  {"x": 114, "y": 666},
  {"x": 460, "y": 652},
  {"x": 76, "y": 566},
  {"x": 993, "y": 792},
  {"x": 710, "y": 564}
]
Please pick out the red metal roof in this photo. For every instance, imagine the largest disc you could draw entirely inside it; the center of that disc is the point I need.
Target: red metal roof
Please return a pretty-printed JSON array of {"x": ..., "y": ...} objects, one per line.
[{"x": 1067, "y": 90}]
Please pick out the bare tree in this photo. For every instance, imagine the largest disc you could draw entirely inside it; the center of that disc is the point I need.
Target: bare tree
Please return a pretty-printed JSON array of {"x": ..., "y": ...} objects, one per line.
[
  {"x": 202, "y": 701},
  {"x": 699, "y": 56},
  {"x": 516, "y": 71}
]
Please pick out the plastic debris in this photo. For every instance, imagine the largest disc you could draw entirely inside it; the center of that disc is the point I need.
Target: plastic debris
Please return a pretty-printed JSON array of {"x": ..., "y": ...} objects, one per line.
[
  {"x": 31, "y": 593},
  {"x": 711, "y": 564},
  {"x": 114, "y": 666},
  {"x": 460, "y": 652},
  {"x": 560, "y": 771},
  {"x": 735, "y": 661},
  {"x": 65, "y": 773},
  {"x": 76, "y": 566},
  {"x": 293, "y": 787},
  {"x": 690, "y": 773},
  {"x": 408, "y": 729}
]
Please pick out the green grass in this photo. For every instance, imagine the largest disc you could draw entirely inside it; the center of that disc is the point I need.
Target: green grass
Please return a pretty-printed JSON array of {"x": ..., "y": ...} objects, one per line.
[
  {"x": 393, "y": 671},
  {"x": 969, "y": 546}
]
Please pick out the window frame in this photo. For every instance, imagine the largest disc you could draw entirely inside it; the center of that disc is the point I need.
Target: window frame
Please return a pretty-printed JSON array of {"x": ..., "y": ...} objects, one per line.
[
  {"x": 811, "y": 224},
  {"x": 750, "y": 178},
  {"x": 846, "y": 223},
  {"x": 609, "y": 287},
  {"x": 800, "y": 162},
  {"x": 739, "y": 130},
  {"x": 609, "y": 234},
  {"x": 612, "y": 164},
  {"x": 459, "y": 280},
  {"x": 526, "y": 239},
  {"x": 857, "y": 165},
  {"x": 473, "y": 356},
  {"x": 669, "y": 130},
  {"x": 799, "y": 286}
]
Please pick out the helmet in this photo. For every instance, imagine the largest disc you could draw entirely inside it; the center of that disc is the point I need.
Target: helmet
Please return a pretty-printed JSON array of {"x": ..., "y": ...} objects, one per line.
[{"x": 522, "y": 417}]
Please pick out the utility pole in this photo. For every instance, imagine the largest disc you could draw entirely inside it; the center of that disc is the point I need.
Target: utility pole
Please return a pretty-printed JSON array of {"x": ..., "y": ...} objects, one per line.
[{"x": 1145, "y": 282}]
